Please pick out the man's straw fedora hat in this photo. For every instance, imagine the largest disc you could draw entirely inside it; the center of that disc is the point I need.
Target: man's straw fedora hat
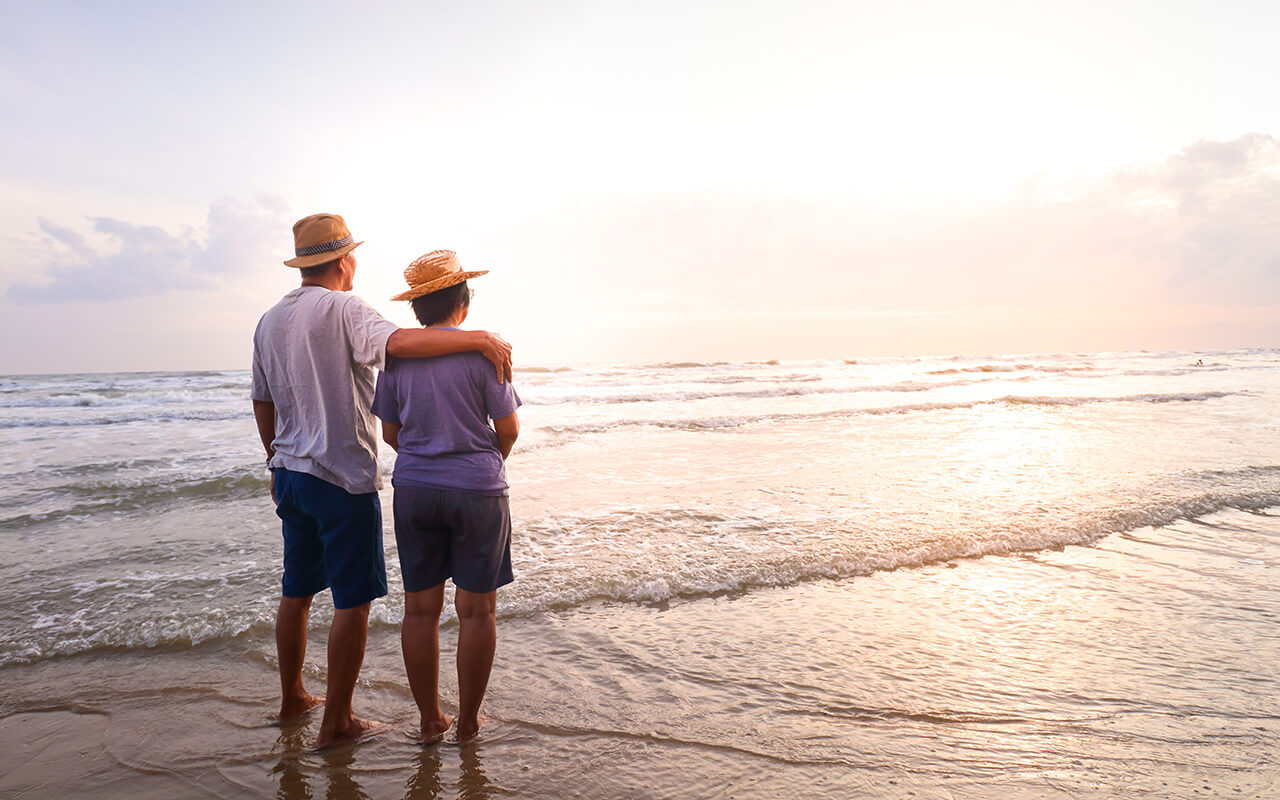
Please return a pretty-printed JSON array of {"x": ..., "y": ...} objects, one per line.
[
  {"x": 437, "y": 270},
  {"x": 319, "y": 239}
]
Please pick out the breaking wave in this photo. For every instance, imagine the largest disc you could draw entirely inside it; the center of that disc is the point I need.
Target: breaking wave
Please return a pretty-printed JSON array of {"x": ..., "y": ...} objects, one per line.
[
  {"x": 119, "y": 419},
  {"x": 714, "y": 555},
  {"x": 716, "y": 423},
  {"x": 85, "y": 498},
  {"x": 989, "y": 368}
]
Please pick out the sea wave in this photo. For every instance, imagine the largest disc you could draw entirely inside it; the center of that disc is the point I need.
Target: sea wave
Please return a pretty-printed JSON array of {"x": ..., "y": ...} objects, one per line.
[
  {"x": 762, "y": 393},
  {"x": 116, "y": 398},
  {"x": 163, "y": 630},
  {"x": 80, "y": 471},
  {"x": 176, "y": 415},
  {"x": 714, "y": 554},
  {"x": 686, "y": 365},
  {"x": 719, "y": 423},
  {"x": 122, "y": 495},
  {"x": 96, "y": 488},
  {"x": 1024, "y": 367},
  {"x": 708, "y": 568}
]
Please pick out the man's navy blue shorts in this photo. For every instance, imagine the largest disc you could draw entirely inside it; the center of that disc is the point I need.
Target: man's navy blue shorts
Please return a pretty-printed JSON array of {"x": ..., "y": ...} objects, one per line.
[
  {"x": 332, "y": 539},
  {"x": 442, "y": 533}
]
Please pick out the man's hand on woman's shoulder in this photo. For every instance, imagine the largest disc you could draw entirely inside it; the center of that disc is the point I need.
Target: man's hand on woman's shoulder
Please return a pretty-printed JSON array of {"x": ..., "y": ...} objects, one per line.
[{"x": 498, "y": 350}]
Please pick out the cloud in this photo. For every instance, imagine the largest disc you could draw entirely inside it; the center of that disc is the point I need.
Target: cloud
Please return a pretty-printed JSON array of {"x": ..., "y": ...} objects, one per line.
[
  {"x": 1209, "y": 219},
  {"x": 1196, "y": 227},
  {"x": 119, "y": 260}
]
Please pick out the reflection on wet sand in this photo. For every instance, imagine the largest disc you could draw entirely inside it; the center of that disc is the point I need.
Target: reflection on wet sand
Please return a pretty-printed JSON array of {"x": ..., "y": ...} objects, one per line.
[
  {"x": 292, "y": 779},
  {"x": 293, "y": 745},
  {"x": 342, "y": 779},
  {"x": 296, "y": 771},
  {"x": 474, "y": 784},
  {"x": 425, "y": 783}
]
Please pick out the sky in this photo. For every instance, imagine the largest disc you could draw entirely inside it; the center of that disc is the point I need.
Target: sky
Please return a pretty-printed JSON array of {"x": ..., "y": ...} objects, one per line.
[{"x": 657, "y": 181}]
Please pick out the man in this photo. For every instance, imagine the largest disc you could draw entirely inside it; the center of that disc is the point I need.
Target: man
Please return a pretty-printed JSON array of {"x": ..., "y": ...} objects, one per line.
[{"x": 314, "y": 359}]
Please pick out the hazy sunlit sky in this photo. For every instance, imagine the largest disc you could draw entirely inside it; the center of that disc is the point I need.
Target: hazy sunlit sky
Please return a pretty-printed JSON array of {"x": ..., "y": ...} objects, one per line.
[{"x": 646, "y": 181}]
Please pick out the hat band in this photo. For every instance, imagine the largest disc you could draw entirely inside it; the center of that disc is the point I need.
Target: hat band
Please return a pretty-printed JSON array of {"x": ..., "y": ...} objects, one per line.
[{"x": 323, "y": 247}]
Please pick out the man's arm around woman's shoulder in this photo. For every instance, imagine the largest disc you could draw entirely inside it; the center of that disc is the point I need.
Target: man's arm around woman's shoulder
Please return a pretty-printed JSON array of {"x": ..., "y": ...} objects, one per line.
[{"x": 429, "y": 343}]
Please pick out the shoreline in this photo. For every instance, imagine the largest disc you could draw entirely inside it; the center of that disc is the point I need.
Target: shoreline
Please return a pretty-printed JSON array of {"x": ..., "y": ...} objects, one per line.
[{"x": 1132, "y": 666}]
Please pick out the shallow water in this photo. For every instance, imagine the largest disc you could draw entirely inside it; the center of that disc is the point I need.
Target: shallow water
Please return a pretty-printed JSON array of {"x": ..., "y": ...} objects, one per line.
[
  {"x": 1141, "y": 666},
  {"x": 745, "y": 580}
]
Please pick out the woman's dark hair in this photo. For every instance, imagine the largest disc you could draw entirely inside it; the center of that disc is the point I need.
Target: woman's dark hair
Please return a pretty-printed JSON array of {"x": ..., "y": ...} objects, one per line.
[{"x": 431, "y": 308}]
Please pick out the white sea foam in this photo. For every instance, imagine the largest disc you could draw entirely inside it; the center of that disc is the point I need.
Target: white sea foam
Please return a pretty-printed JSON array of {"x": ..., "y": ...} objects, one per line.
[{"x": 627, "y": 555}]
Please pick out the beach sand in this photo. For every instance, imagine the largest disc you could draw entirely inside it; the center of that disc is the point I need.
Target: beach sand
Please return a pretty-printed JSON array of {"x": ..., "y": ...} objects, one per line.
[{"x": 1143, "y": 666}]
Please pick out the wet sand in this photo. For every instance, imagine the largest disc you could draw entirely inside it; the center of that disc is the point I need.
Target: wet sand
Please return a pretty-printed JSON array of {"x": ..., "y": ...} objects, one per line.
[{"x": 1143, "y": 666}]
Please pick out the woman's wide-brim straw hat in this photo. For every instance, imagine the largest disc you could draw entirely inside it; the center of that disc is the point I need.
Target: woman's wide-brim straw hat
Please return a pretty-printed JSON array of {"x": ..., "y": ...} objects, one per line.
[
  {"x": 319, "y": 239},
  {"x": 437, "y": 270}
]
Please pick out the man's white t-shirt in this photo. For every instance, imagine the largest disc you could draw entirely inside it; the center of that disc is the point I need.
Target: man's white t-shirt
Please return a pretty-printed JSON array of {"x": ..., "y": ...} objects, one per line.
[{"x": 315, "y": 355}]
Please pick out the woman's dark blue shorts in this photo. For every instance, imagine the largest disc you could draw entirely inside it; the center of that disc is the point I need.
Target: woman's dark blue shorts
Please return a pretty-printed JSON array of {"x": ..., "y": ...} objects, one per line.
[
  {"x": 442, "y": 533},
  {"x": 332, "y": 539}
]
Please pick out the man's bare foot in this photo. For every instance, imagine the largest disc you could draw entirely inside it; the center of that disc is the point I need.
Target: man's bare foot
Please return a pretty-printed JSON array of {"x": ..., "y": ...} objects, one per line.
[
  {"x": 433, "y": 730},
  {"x": 355, "y": 730},
  {"x": 293, "y": 707}
]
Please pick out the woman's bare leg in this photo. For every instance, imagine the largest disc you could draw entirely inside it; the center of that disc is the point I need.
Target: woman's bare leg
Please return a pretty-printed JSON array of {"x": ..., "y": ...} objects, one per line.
[
  {"x": 477, "y": 639},
  {"x": 420, "y": 641}
]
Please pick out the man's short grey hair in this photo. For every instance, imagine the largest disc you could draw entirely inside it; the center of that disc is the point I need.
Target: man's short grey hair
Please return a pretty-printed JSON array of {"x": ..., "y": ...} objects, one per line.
[{"x": 319, "y": 270}]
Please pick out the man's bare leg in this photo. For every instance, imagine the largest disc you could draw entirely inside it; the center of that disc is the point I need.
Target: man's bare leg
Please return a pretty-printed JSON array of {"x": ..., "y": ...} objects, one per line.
[
  {"x": 477, "y": 639},
  {"x": 291, "y": 652},
  {"x": 347, "y": 638},
  {"x": 420, "y": 641}
]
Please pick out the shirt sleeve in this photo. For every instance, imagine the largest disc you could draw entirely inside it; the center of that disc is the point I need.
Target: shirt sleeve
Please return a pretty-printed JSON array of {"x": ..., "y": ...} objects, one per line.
[
  {"x": 385, "y": 405},
  {"x": 367, "y": 331},
  {"x": 259, "y": 389},
  {"x": 500, "y": 399}
]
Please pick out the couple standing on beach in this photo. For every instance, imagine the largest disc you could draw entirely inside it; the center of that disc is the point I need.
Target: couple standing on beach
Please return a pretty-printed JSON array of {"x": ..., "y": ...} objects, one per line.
[{"x": 316, "y": 392}]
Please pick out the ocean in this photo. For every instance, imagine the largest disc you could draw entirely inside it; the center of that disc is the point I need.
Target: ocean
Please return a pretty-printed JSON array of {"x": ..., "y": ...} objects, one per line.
[{"x": 997, "y": 576}]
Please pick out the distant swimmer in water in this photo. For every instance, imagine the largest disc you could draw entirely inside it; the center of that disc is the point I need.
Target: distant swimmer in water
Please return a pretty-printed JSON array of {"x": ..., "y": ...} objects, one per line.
[{"x": 1199, "y": 362}]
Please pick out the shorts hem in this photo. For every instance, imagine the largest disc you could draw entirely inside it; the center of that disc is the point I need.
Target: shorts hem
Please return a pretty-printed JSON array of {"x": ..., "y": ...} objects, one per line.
[
  {"x": 424, "y": 588},
  {"x": 346, "y": 605},
  {"x": 297, "y": 594},
  {"x": 496, "y": 587}
]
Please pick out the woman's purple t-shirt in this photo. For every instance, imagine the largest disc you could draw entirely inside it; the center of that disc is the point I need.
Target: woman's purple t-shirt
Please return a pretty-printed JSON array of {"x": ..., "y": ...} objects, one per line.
[{"x": 444, "y": 406}]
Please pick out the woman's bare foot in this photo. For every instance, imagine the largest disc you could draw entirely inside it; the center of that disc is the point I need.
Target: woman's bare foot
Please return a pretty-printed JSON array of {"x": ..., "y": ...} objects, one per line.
[
  {"x": 433, "y": 729},
  {"x": 468, "y": 730},
  {"x": 354, "y": 730},
  {"x": 293, "y": 707}
]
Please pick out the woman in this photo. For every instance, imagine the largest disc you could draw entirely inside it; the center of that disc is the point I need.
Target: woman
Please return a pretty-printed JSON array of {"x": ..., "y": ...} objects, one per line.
[{"x": 452, "y": 519}]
